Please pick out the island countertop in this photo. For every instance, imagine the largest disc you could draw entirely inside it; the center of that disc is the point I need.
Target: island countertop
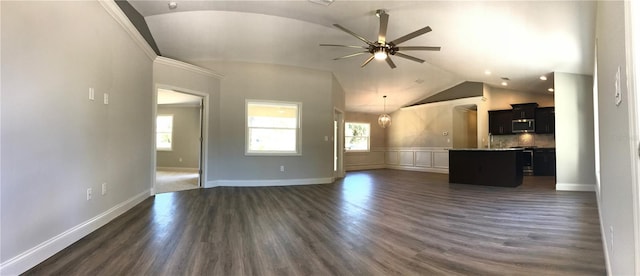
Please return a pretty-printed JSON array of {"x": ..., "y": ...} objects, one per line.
[
  {"x": 492, "y": 167},
  {"x": 486, "y": 149}
]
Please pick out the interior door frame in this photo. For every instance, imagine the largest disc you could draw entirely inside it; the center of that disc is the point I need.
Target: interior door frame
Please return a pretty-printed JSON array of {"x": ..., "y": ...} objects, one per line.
[
  {"x": 632, "y": 46},
  {"x": 204, "y": 122},
  {"x": 338, "y": 115}
]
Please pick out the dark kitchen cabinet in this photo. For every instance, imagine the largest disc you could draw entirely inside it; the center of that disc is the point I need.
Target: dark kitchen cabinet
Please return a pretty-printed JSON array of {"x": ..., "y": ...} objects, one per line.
[
  {"x": 524, "y": 111},
  {"x": 544, "y": 162},
  {"x": 500, "y": 122},
  {"x": 545, "y": 120}
]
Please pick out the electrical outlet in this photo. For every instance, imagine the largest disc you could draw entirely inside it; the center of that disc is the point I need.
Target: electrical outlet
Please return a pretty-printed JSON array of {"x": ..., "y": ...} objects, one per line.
[
  {"x": 89, "y": 194},
  {"x": 104, "y": 188},
  {"x": 282, "y": 168},
  {"x": 180, "y": 159},
  {"x": 92, "y": 95}
]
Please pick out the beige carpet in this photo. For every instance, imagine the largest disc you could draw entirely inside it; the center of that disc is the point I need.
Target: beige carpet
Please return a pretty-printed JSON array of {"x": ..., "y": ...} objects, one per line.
[{"x": 174, "y": 180}]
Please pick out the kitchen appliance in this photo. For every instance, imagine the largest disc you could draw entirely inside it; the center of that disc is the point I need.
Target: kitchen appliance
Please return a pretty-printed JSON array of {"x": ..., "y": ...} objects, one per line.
[
  {"x": 527, "y": 160},
  {"x": 523, "y": 125}
]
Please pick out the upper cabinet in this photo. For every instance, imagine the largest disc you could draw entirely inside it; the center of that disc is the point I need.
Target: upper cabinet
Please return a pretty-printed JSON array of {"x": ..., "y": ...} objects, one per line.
[
  {"x": 524, "y": 111},
  {"x": 545, "y": 120},
  {"x": 500, "y": 122}
]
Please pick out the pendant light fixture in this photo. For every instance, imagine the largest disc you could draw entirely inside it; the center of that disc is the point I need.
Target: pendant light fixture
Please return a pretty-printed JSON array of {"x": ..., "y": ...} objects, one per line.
[{"x": 384, "y": 120}]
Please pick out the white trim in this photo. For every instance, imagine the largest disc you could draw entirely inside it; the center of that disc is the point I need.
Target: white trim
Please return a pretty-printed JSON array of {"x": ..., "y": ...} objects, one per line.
[
  {"x": 30, "y": 258},
  {"x": 419, "y": 169},
  {"x": 575, "y": 187},
  {"x": 205, "y": 130},
  {"x": 187, "y": 66},
  {"x": 269, "y": 182},
  {"x": 112, "y": 9},
  {"x": 605, "y": 244},
  {"x": 177, "y": 169},
  {"x": 361, "y": 167}
]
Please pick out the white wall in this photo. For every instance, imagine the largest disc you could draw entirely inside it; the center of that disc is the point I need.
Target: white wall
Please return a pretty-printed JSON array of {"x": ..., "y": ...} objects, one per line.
[
  {"x": 56, "y": 142},
  {"x": 575, "y": 154},
  {"x": 616, "y": 194},
  {"x": 185, "y": 143},
  {"x": 314, "y": 89},
  {"x": 182, "y": 77}
]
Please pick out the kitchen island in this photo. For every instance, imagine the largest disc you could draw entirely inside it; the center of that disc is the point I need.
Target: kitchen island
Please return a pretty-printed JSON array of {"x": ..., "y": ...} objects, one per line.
[{"x": 491, "y": 167}]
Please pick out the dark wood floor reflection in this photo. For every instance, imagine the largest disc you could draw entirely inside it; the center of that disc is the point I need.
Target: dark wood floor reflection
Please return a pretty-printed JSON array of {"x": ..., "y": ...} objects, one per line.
[{"x": 381, "y": 222}]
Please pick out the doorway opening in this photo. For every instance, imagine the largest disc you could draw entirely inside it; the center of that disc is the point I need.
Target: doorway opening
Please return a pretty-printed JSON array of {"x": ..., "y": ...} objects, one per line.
[
  {"x": 465, "y": 126},
  {"x": 338, "y": 143},
  {"x": 179, "y": 143}
]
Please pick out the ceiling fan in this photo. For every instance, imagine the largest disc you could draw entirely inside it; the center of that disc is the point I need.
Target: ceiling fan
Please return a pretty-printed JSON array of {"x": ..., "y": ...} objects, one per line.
[{"x": 381, "y": 49}]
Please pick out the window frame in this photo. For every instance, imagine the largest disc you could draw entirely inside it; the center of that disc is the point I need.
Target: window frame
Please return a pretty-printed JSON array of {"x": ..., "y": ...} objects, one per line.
[
  {"x": 348, "y": 136},
  {"x": 170, "y": 148},
  {"x": 298, "y": 129}
]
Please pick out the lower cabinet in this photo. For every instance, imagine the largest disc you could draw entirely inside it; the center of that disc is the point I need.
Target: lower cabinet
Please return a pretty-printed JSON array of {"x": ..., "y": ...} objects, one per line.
[{"x": 544, "y": 162}]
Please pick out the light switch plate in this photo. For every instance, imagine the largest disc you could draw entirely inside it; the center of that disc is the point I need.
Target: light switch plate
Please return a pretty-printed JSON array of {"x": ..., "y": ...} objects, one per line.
[
  {"x": 618, "y": 93},
  {"x": 92, "y": 95},
  {"x": 106, "y": 98}
]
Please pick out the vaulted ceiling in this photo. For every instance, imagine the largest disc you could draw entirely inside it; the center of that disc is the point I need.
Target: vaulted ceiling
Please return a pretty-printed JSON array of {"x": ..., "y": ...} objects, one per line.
[{"x": 519, "y": 40}]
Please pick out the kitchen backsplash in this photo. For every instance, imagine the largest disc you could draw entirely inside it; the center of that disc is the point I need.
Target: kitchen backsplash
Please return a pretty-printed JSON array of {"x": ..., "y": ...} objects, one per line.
[{"x": 523, "y": 140}]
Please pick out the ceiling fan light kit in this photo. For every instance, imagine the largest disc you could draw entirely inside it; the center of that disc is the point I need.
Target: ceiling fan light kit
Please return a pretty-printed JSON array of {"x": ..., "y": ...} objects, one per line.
[{"x": 381, "y": 49}]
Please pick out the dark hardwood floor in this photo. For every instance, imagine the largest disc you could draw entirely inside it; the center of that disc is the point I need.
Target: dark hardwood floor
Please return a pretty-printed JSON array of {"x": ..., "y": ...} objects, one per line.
[{"x": 380, "y": 222}]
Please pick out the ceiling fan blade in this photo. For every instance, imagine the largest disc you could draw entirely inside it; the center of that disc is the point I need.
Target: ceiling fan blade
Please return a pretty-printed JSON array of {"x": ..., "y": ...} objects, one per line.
[
  {"x": 384, "y": 22},
  {"x": 353, "y": 34},
  {"x": 409, "y": 57},
  {"x": 390, "y": 62},
  {"x": 348, "y": 46},
  {"x": 367, "y": 61},
  {"x": 351, "y": 55},
  {"x": 417, "y": 48},
  {"x": 411, "y": 35}
]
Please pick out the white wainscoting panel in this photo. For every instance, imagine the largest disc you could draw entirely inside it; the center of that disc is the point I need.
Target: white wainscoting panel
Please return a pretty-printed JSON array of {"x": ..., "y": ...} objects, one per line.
[
  {"x": 391, "y": 158},
  {"x": 369, "y": 160},
  {"x": 424, "y": 159},
  {"x": 418, "y": 159},
  {"x": 406, "y": 158}
]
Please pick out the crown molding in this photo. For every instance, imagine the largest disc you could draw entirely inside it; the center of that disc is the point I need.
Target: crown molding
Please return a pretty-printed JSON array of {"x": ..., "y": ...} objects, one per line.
[
  {"x": 187, "y": 66},
  {"x": 112, "y": 8}
]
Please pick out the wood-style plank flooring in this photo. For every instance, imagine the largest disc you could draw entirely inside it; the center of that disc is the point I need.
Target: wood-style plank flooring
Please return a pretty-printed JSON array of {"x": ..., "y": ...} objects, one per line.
[{"x": 380, "y": 222}]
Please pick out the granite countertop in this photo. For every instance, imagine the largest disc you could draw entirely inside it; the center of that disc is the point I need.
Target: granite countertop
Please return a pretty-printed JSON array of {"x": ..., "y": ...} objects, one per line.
[{"x": 485, "y": 149}]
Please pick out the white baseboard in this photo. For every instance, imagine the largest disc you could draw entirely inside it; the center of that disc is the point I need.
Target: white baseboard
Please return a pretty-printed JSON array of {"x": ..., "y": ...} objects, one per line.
[
  {"x": 418, "y": 169},
  {"x": 177, "y": 169},
  {"x": 361, "y": 167},
  {"x": 575, "y": 187},
  {"x": 32, "y": 257},
  {"x": 267, "y": 183}
]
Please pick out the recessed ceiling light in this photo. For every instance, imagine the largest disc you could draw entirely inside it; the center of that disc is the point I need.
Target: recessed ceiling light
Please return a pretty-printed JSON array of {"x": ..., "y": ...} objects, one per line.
[
  {"x": 543, "y": 78},
  {"x": 504, "y": 83},
  {"x": 487, "y": 72},
  {"x": 173, "y": 5},
  {"x": 550, "y": 90}
]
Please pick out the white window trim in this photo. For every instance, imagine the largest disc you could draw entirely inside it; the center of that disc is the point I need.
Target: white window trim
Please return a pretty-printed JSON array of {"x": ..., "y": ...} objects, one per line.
[
  {"x": 171, "y": 147},
  {"x": 368, "y": 137},
  {"x": 298, "y": 151}
]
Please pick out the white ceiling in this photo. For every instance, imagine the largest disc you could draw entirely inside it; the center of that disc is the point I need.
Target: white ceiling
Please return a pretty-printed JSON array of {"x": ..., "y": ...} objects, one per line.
[
  {"x": 173, "y": 97},
  {"x": 520, "y": 40}
]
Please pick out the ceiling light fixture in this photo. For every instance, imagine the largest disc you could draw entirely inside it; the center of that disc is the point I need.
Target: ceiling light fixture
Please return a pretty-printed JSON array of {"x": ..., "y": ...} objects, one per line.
[
  {"x": 504, "y": 81},
  {"x": 544, "y": 78},
  {"x": 487, "y": 72},
  {"x": 173, "y": 5},
  {"x": 380, "y": 53},
  {"x": 322, "y": 2},
  {"x": 550, "y": 90},
  {"x": 384, "y": 120}
]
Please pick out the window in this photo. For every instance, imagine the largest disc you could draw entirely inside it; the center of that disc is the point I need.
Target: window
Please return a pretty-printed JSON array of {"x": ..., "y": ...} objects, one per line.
[
  {"x": 357, "y": 136},
  {"x": 164, "y": 132},
  {"x": 273, "y": 128}
]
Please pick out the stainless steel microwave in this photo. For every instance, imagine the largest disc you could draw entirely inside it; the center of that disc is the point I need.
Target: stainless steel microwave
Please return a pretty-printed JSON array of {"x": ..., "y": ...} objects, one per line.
[{"x": 523, "y": 125}]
